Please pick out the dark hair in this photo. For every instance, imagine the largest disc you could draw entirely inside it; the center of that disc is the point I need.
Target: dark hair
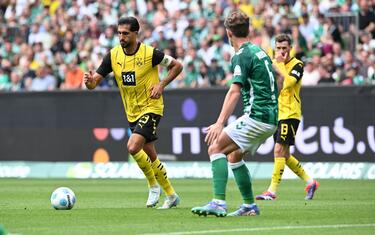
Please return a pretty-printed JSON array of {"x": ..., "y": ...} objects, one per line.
[
  {"x": 238, "y": 23},
  {"x": 284, "y": 37},
  {"x": 130, "y": 20}
]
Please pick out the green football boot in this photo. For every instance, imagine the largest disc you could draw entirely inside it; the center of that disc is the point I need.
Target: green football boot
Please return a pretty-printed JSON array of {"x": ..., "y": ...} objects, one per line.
[{"x": 212, "y": 208}]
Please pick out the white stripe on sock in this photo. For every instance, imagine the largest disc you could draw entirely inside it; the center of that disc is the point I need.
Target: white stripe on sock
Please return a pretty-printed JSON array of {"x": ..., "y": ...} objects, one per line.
[
  {"x": 236, "y": 164},
  {"x": 217, "y": 156}
]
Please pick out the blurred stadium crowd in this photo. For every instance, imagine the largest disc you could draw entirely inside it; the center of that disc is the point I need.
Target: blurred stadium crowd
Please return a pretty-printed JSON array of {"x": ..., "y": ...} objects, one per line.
[{"x": 48, "y": 44}]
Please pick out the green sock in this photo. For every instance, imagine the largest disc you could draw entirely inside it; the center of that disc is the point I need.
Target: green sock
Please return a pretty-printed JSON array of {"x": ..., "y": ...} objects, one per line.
[
  {"x": 219, "y": 166},
  {"x": 243, "y": 180}
]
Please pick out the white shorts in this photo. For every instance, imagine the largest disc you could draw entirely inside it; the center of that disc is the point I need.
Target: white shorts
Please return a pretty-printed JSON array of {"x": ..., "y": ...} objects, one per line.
[{"x": 248, "y": 133}]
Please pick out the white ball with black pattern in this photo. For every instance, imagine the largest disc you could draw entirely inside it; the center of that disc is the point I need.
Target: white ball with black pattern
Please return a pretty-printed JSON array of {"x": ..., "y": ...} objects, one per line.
[{"x": 63, "y": 198}]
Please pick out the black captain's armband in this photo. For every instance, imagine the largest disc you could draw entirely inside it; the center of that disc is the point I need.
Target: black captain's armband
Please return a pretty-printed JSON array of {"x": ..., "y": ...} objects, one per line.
[
  {"x": 128, "y": 78},
  {"x": 297, "y": 71}
]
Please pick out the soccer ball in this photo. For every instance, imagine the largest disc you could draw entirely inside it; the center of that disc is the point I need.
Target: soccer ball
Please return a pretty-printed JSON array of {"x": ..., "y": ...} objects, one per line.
[{"x": 63, "y": 198}]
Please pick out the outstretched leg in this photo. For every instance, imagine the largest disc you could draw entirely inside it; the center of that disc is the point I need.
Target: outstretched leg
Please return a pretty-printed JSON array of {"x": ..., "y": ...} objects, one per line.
[{"x": 311, "y": 184}]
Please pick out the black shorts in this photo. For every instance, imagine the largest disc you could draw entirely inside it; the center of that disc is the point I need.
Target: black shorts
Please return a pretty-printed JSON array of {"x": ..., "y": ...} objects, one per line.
[
  {"x": 146, "y": 126},
  {"x": 286, "y": 131}
]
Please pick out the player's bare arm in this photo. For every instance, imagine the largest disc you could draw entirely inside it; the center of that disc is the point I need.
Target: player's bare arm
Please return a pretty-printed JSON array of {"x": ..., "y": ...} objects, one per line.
[
  {"x": 279, "y": 77},
  {"x": 281, "y": 56},
  {"x": 174, "y": 69},
  {"x": 230, "y": 101},
  {"x": 91, "y": 79}
]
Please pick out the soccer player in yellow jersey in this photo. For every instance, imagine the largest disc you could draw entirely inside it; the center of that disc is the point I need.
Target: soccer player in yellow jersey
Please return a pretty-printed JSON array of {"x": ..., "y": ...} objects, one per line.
[
  {"x": 135, "y": 67},
  {"x": 290, "y": 70}
]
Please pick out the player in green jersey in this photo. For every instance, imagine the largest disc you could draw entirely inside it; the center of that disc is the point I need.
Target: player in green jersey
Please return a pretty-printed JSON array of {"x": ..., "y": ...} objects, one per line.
[{"x": 254, "y": 81}]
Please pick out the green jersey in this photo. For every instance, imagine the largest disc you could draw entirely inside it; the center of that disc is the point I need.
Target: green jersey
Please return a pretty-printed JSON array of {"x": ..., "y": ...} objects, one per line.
[{"x": 252, "y": 69}]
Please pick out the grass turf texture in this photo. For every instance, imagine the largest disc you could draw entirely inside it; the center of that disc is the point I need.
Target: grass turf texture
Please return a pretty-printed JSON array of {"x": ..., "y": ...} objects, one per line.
[{"x": 118, "y": 207}]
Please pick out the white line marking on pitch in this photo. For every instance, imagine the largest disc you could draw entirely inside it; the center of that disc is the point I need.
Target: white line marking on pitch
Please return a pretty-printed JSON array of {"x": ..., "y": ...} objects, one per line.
[{"x": 266, "y": 229}]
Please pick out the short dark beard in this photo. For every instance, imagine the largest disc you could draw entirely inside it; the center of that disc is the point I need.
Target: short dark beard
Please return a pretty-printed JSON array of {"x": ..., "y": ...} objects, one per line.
[{"x": 124, "y": 44}]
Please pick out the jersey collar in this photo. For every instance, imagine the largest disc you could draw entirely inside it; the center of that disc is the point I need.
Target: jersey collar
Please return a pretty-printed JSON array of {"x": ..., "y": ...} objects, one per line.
[
  {"x": 245, "y": 44},
  {"x": 290, "y": 60},
  {"x": 138, "y": 45}
]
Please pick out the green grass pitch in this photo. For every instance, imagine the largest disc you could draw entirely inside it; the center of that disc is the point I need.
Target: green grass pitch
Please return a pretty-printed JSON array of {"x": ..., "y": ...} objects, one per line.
[{"x": 118, "y": 207}]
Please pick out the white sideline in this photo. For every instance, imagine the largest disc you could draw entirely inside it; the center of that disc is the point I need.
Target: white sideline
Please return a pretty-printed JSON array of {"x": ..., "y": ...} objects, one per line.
[{"x": 266, "y": 229}]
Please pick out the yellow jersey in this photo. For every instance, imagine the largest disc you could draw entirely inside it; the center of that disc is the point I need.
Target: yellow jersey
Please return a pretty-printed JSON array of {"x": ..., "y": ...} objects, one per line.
[
  {"x": 289, "y": 97},
  {"x": 135, "y": 74}
]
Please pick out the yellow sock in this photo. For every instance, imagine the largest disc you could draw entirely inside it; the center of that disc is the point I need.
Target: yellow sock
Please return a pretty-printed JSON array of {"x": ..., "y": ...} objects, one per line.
[
  {"x": 161, "y": 177},
  {"x": 278, "y": 170},
  {"x": 144, "y": 163},
  {"x": 297, "y": 168}
]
